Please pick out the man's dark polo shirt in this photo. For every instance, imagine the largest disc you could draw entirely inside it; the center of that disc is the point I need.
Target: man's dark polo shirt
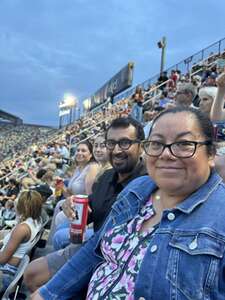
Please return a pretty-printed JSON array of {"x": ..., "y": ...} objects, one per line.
[{"x": 105, "y": 191}]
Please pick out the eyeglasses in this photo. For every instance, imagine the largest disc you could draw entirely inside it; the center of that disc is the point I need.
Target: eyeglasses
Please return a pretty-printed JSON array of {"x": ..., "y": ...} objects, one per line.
[
  {"x": 182, "y": 149},
  {"x": 124, "y": 144}
]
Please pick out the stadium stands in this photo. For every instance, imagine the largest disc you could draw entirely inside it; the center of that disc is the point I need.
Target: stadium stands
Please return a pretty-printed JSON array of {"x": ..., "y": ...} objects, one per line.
[{"x": 25, "y": 150}]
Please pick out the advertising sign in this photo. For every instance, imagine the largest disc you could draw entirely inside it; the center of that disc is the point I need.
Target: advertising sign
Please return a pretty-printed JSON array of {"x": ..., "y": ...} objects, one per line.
[{"x": 118, "y": 83}]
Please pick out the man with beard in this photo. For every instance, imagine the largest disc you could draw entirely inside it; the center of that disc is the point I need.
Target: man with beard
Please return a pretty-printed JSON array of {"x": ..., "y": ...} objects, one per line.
[{"x": 123, "y": 139}]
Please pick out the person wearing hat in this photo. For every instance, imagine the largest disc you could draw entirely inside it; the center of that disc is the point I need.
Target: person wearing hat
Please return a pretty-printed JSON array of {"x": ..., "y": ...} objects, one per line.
[
  {"x": 211, "y": 80},
  {"x": 44, "y": 190}
]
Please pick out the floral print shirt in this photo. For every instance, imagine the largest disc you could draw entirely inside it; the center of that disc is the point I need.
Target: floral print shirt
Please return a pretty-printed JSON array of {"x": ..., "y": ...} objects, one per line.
[{"x": 123, "y": 249}]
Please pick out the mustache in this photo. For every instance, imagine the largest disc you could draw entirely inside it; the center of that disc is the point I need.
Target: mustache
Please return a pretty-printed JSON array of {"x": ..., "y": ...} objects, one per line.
[{"x": 119, "y": 155}]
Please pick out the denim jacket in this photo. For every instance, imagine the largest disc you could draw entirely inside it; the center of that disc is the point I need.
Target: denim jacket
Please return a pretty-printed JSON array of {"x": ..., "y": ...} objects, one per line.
[{"x": 185, "y": 258}]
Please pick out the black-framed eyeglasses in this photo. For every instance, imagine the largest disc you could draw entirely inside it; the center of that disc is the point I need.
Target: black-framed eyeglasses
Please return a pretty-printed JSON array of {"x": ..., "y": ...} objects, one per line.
[
  {"x": 124, "y": 144},
  {"x": 181, "y": 149}
]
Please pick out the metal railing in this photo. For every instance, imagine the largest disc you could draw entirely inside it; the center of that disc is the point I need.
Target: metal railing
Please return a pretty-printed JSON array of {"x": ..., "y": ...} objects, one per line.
[{"x": 184, "y": 66}]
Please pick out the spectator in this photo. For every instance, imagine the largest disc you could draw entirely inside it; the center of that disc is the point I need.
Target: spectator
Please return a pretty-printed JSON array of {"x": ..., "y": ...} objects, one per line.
[
  {"x": 210, "y": 80},
  {"x": 81, "y": 181},
  {"x": 37, "y": 178},
  {"x": 19, "y": 241},
  {"x": 185, "y": 94},
  {"x": 101, "y": 155},
  {"x": 218, "y": 111},
  {"x": 172, "y": 80},
  {"x": 63, "y": 150},
  {"x": 8, "y": 213},
  {"x": 11, "y": 191},
  {"x": 207, "y": 95},
  {"x": 151, "y": 115},
  {"x": 44, "y": 190},
  {"x": 85, "y": 170},
  {"x": 205, "y": 73},
  {"x": 138, "y": 93},
  {"x": 162, "y": 78},
  {"x": 163, "y": 99},
  {"x": 26, "y": 183},
  {"x": 137, "y": 109}
]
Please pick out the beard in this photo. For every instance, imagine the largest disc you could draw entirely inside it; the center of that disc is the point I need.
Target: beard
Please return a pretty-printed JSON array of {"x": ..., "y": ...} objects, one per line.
[{"x": 123, "y": 163}]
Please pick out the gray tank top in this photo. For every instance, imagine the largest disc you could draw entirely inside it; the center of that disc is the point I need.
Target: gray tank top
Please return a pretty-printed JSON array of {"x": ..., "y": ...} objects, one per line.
[{"x": 77, "y": 181}]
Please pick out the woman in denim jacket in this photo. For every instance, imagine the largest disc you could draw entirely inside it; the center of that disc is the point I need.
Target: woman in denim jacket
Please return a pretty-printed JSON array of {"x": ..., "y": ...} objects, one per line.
[{"x": 165, "y": 236}]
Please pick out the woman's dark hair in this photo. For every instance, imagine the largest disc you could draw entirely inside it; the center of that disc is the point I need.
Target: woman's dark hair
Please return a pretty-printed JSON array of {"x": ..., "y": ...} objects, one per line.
[
  {"x": 204, "y": 122},
  {"x": 125, "y": 122},
  {"x": 90, "y": 148},
  {"x": 88, "y": 144}
]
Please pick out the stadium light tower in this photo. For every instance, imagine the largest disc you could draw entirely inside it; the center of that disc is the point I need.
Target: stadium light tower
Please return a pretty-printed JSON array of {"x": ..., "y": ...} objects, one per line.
[
  {"x": 87, "y": 104},
  {"x": 162, "y": 45},
  {"x": 70, "y": 102},
  {"x": 66, "y": 108}
]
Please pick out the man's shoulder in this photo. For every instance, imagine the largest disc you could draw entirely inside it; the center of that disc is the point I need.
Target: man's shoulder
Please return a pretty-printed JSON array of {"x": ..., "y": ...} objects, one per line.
[
  {"x": 109, "y": 173},
  {"x": 106, "y": 176},
  {"x": 140, "y": 170}
]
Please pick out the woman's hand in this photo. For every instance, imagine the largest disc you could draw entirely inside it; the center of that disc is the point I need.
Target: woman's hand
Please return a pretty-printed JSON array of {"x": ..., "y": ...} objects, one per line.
[
  {"x": 217, "y": 111},
  {"x": 221, "y": 81},
  {"x": 68, "y": 210}
]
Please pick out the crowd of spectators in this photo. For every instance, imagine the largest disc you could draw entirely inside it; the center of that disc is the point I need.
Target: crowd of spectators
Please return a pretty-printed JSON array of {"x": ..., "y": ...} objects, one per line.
[
  {"x": 41, "y": 160},
  {"x": 15, "y": 139}
]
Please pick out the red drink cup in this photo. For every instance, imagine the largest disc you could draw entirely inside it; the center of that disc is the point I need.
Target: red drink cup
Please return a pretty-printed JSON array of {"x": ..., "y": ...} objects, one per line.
[{"x": 78, "y": 225}]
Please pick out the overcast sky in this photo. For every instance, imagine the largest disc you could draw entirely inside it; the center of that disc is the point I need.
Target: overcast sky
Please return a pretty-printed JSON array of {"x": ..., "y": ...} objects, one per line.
[{"x": 52, "y": 47}]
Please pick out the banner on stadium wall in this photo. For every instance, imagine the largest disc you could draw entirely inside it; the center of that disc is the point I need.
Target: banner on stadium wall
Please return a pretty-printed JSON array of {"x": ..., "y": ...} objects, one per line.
[{"x": 118, "y": 83}]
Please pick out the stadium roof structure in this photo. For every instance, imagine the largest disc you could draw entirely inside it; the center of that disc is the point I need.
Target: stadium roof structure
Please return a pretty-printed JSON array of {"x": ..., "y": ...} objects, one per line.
[{"x": 10, "y": 117}]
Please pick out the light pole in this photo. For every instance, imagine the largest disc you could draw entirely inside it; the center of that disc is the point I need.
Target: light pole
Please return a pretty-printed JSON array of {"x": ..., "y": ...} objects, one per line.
[
  {"x": 71, "y": 102},
  {"x": 66, "y": 108},
  {"x": 162, "y": 45},
  {"x": 87, "y": 105}
]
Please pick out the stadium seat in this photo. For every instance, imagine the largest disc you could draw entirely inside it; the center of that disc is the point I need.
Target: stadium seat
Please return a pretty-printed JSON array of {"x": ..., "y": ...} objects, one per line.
[{"x": 14, "y": 285}]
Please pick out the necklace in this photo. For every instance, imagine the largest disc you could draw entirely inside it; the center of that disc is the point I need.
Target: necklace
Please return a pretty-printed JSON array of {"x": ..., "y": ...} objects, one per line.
[
  {"x": 157, "y": 203},
  {"x": 157, "y": 197}
]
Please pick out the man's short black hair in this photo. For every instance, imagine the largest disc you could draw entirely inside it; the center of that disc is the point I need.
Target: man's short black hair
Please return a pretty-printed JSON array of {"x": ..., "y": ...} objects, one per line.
[
  {"x": 40, "y": 173},
  {"x": 13, "y": 181},
  {"x": 125, "y": 122}
]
